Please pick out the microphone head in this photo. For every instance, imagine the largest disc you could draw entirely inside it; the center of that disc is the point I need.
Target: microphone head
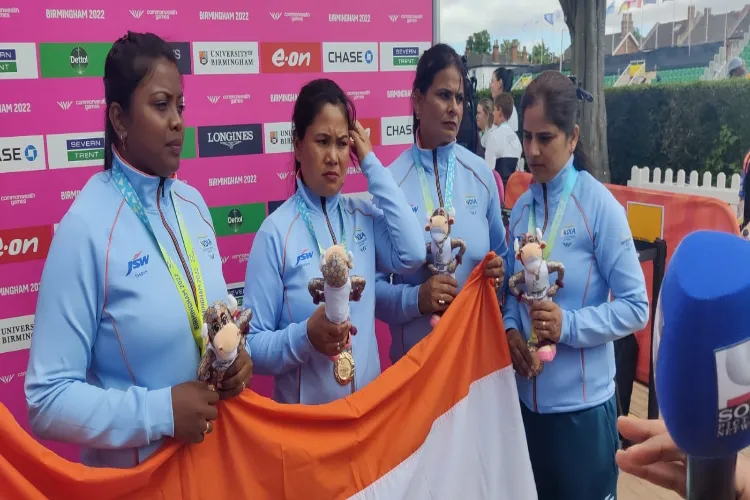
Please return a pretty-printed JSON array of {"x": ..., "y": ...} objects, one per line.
[{"x": 702, "y": 345}]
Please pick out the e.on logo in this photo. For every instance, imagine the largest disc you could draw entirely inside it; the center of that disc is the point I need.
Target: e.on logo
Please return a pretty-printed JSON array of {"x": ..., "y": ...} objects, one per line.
[
  {"x": 303, "y": 57},
  {"x": 25, "y": 244}
]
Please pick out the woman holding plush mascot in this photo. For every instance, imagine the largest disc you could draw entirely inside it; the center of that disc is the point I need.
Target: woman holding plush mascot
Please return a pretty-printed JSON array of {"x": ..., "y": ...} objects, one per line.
[
  {"x": 133, "y": 265},
  {"x": 311, "y": 269},
  {"x": 573, "y": 246},
  {"x": 455, "y": 196}
]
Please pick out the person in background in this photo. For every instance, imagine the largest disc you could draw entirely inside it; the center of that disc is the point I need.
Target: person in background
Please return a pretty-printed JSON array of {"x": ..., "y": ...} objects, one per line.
[
  {"x": 737, "y": 68},
  {"x": 132, "y": 267},
  {"x": 436, "y": 172},
  {"x": 742, "y": 212},
  {"x": 502, "y": 82},
  {"x": 290, "y": 337},
  {"x": 655, "y": 457},
  {"x": 503, "y": 143},
  {"x": 485, "y": 123},
  {"x": 568, "y": 405}
]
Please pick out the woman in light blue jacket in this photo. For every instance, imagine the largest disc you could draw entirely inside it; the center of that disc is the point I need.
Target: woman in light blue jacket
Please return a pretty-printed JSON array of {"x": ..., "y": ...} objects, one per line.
[
  {"x": 568, "y": 405},
  {"x": 291, "y": 338}
]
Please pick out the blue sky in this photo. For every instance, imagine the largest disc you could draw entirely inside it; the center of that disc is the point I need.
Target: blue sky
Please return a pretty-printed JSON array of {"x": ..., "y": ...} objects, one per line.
[{"x": 503, "y": 19}]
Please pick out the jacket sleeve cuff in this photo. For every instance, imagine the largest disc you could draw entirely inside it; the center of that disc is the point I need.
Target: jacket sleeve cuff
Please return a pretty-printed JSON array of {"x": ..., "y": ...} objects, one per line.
[
  {"x": 371, "y": 162},
  {"x": 511, "y": 324},
  {"x": 411, "y": 302},
  {"x": 159, "y": 414},
  {"x": 566, "y": 334},
  {"x": 301, "y": 341}
]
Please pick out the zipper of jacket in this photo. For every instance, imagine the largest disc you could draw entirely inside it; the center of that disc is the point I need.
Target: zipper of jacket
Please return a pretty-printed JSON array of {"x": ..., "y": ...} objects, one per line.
[
  {"x": 160, "y": 190},
  {"x": 544, "y": 228},
  {"x": 333, "y": 237}
]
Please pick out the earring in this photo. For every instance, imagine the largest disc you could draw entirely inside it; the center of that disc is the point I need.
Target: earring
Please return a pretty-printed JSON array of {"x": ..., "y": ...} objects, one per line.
[{"x": 124, "y": 143}]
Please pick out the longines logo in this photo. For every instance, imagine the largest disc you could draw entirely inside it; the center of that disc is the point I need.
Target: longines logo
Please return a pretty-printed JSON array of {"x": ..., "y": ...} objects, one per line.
[{"x": 230, "y": 140}]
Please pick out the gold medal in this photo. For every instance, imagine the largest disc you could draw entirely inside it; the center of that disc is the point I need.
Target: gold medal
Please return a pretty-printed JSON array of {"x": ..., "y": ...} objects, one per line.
[{"x": 343, "y": 368}]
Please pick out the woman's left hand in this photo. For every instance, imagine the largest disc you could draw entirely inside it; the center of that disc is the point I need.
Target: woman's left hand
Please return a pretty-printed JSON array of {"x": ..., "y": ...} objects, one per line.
[
  {"x": 546, "y": 318},
  {"x": 495, "y": 268},
  {"x": 360, "y": 141},
  {"x": 237, "y": 376}
]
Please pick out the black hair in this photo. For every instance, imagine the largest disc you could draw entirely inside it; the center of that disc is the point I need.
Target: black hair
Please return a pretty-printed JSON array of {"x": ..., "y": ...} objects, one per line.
[
  {"x": 433, "y": 61},
  {"x": 561, "y": 98},
  {"x": 505, "y": 76},
  {"x": 129, "y": 61},
  {"x": 746, "y": 189},
  {"x": 313, "y": 96}
]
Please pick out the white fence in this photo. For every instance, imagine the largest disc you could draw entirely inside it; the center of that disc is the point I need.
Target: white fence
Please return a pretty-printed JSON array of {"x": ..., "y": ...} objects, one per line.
[{"x": 642, "y": 178}]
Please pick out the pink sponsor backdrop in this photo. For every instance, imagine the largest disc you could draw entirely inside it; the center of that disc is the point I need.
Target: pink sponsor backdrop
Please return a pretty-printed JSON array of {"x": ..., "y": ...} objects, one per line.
[{"x": 32, "y": 107}]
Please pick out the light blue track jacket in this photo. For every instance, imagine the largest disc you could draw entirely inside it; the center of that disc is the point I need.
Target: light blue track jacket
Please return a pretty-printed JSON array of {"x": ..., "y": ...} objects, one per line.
[
  {"x": 111, "y": 339},
  {"x": 382, "y": 234},
  {"x": 596, "y": 247},
  {"x": 478, "y": 222}
]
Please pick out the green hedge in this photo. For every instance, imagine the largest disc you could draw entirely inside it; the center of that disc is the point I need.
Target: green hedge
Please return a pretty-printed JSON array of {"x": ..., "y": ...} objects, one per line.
[{"x": 703, "y": 126}]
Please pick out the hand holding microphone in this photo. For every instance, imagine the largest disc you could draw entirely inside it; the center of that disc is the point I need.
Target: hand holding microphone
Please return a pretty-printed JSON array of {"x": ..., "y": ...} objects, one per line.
[
  {"x": 702, "y": 364},
  {"x": 654, "y": 457}
]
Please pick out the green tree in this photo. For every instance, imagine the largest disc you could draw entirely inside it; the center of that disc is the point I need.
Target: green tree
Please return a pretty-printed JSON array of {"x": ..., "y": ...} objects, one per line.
[
  {"x": 506, "y": 45},
  {"x": 586, "y": 23},
  {"x": 541, "y": 53},
  {"x": 637, "y": 35},
  {"x": 479, "y": 43}
]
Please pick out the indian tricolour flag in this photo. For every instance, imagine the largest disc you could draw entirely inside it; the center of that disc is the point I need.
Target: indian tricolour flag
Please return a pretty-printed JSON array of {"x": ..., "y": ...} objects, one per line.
[{"x": 442, "y": 423}]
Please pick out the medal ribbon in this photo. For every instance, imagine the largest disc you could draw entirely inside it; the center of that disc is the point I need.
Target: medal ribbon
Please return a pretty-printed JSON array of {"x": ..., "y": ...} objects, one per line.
[
  {"x": 195, "y": 302},
  {"x": 449, "y": 178},
  {"x": 570, "y": 182},
  {"x": 304, "y": 212}
]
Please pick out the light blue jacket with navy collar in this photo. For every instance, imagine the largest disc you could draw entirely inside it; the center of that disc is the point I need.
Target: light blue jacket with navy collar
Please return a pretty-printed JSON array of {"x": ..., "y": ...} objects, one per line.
[
  {"x": 595, "y": 245},
  {"x": 382, "y": 233},
  {"x": 478, "y": 222},
  {"x": 111, "y": 335}
]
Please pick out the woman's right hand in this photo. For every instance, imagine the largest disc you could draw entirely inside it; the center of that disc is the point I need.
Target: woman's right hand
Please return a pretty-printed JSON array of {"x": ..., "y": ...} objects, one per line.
[
  {"x": 194, "y": 410},
  {"x": 523, "y": 363},
  {"x": 436, "y": 294},
  {"x": 326, "y": 337}
]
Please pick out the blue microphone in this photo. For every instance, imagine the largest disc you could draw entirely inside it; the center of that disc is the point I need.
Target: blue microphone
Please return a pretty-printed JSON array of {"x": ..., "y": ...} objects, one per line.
[{"x": 702, "y": 358}]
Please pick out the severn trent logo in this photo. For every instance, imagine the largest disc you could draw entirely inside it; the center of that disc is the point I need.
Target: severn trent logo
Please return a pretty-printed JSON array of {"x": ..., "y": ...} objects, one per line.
[{"x": 79, "y": 60}]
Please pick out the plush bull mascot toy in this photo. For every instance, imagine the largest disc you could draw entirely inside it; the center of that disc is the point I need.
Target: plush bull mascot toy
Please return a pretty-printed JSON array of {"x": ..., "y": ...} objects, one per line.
[
  {"x": 535, "y": 275},
  {"x": 337, "y": 288},
  {"x": 440, "y": 248},
  {"x": 225, "y": 328}
]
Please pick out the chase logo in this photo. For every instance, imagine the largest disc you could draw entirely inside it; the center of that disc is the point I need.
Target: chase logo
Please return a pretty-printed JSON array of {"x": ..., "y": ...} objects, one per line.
[
  {"x": 568, "y": 234},
  {"x": 472, "y": 204},
  {"x": 136, "y": 263},
  {"x": 207, "y": 246},
  {"x": 360, "y": 238},
  {"x": 304, "y": 256}
]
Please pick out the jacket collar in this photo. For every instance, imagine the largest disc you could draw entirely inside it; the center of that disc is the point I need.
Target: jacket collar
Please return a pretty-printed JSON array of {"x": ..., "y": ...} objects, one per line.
[
  {"x": 553, "y": 188},
  {"x": 146, "y": 186},
  {"x": 313, "y": 201},
  {"x": 426, "y": 156}
]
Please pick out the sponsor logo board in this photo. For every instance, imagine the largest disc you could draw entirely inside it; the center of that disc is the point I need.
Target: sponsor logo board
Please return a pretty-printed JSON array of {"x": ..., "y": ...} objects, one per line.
[
  {"x": 225, "y": 58},
  {"x": 18, "y": 61},
  {"x": 350, "y": 57},
  {"x": 22, "y": 154},
  {"x": 397, "y": 130},
  {"x": 291, "y": 57},
  {"x": 401, "y": 56},
  {"x": 238, "y": 219},
  {"x": 85, "y": 149},
  {"x": 230, "y": 140}
]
